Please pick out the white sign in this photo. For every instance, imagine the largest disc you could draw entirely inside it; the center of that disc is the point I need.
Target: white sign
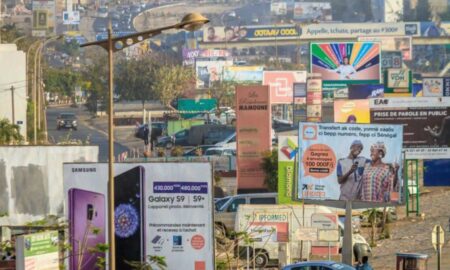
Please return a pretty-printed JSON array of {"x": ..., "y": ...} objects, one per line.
[
  {"x": 175, "y": 212},
  {"x": 38, "y": 251},
  {"x": 324, "y": 221},
  {"x": 329, "y": 235},
  {"x": 278, "y": 8},
  {"x": 71, "y": 17},
  {"x": 306, "y": 234},
  {"x": 437, "y": 237}
]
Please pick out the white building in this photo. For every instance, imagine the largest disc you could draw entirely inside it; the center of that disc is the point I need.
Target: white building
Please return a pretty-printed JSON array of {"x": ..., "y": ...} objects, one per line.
[{"x": 13, "y": 76}]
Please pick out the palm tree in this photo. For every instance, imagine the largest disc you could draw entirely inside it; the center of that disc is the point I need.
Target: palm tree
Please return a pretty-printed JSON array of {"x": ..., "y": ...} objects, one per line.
[{"x": 9, "y": 133}]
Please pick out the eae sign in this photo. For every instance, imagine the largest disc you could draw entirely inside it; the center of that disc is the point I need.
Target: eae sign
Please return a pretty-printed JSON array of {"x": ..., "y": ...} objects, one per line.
[{"x": 281, "y": 84}]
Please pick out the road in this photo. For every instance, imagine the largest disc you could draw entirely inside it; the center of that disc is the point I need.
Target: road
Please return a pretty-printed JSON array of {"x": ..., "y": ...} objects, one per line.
[{"x": 84, "y": 132}]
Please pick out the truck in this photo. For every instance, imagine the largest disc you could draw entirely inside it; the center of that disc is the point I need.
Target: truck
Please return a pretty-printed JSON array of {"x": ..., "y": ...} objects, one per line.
[{"x": 309, "y": 229}]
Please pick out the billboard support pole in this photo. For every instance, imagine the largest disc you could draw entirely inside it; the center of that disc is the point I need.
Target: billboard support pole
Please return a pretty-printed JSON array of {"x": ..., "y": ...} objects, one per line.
[{"x": 347, "y": 248}]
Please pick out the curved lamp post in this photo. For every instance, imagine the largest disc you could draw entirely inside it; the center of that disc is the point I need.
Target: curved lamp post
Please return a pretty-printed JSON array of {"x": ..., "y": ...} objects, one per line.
[{"x": 190, "y": 22}]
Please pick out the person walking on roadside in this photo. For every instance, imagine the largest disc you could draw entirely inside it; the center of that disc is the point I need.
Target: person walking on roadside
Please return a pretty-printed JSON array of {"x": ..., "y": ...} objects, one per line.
[{"x": 365, "y": 264}]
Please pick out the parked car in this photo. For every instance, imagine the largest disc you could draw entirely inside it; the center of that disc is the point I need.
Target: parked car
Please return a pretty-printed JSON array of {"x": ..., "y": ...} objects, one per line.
[
  {"x": 221, "y": 151},
  {"x": 318, "y": 265},
  {"x": 66, "y": 120}
]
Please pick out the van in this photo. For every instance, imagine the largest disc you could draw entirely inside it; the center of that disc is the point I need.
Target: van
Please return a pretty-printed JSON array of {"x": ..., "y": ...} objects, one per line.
[
  {"x": 226, "y": 209},
  {"x": 267, "y": 225}
]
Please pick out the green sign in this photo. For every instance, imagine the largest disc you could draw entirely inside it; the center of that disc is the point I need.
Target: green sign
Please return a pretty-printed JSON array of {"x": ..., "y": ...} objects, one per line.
[
  {"x": 287, "y": 150},
  {"x": 38, "y": 251}
]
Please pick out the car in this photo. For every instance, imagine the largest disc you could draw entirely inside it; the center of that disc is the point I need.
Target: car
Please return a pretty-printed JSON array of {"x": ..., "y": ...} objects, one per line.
[
  {"x": 318, "y": 265},
  {"x": 66, "y": 120},
  {"x": 221, "y": 151}
]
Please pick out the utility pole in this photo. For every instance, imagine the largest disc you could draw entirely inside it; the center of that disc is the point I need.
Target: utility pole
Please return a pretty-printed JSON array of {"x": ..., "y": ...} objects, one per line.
[{"x": 12, "y": 106}]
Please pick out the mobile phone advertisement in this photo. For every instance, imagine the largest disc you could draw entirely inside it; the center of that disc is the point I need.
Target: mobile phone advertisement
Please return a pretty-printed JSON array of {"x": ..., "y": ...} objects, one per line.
[{"x": 161, "y": 209}]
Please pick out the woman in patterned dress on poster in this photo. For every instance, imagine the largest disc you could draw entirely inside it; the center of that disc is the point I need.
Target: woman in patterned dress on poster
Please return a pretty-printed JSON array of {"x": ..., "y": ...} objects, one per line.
[{"x": 379, "y": 178}]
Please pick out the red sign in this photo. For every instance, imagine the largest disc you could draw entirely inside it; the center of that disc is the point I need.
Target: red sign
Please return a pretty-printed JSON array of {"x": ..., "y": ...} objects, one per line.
[
  {"x": 281, "y": 84},
  {"x": 253, "y": 129}
]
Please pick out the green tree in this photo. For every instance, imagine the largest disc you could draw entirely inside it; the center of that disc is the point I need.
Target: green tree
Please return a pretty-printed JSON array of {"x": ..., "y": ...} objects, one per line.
[
  {"x": 61, "y": 81},
  {"x": 9, "y": 133},
  {"x": 171, "y": 81},
  {"x": 224, "y": 92},
  {"x": 270, "y": 167},
  {"x": 95, "y": 78}
]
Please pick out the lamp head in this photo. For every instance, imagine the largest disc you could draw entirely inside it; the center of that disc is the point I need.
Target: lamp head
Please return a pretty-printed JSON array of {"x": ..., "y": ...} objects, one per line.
[{"x": 192, "y": 22}]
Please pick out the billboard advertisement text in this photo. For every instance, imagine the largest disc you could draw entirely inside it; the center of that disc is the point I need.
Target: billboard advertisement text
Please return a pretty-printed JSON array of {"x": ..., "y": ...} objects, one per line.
[
  {"x": 243, "y": 74},
  {"x": 209, "y": 71},
  {"x": 402, "y": 44},
  {"x": 281, "y": 84},
  {"x": 352, "y": 111}
]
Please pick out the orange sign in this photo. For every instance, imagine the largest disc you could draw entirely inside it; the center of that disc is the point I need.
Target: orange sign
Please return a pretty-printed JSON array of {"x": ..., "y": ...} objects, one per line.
[
  {"x": 319, "y": 161},
  {"x": 281, "y": 84},
  {"x": 253, "y": 128},
  {"x": 352, "y": 111}
]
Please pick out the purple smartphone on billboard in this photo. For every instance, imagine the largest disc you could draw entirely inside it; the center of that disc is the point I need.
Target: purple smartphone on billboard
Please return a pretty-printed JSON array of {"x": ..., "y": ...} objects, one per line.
[
  {"x": 87, "y": 227},
  {"x": 129, "y": 217}
]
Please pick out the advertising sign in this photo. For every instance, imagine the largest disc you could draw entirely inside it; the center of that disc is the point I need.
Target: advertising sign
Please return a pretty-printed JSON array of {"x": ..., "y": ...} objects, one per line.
[
  {"x": 402, "y": 44},
  {"x": 287, "y": 150},
  {"x": 398, "y": 78},
  {"x": 426, "y": 123},
  {"x": 434, "y": 29},
  {"x": 253, "y": 137},
  {"x": 189, "y": 55},
  {"x": 161, "y": 209},
  {"x": 244, "y": 74},
  {"x": 209, "y": 71},
  {"x": 329, "y": 152},
  {"x": 391, "y": 59},
  {"x": 43, "y": 18},
  {"x": 251, "y": 33},
  {"x": 313, "y": 11},
  {"x": 281, "y": 84},
  {"x": 436, "y": 87},
  {"x": 314, "y": 100},
  {"x": 393, "y": 10},
  {"x": 352, "y": 111},
  {"x": 278, "y": 8},
  {"x": 364, "y": 91},
  {"x": 269, "y": 227},
  {"x": 341, "y": 64},
  {"x": 71, "y": 17},
  {"x": 38, "y": 251}
]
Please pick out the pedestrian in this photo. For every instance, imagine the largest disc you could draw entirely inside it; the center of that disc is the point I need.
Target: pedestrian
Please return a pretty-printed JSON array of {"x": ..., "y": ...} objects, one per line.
[
  {"x": 365, "y": 264},
  {"x": 146, "y": 133}
]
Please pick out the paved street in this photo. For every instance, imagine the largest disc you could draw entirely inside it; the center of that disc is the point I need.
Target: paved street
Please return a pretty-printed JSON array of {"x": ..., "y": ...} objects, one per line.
[{"x": 84, "y": 132}]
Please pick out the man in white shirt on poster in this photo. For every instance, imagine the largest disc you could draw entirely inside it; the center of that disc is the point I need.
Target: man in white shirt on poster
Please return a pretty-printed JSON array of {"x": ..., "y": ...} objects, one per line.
[{"x": 345, "y": 70}]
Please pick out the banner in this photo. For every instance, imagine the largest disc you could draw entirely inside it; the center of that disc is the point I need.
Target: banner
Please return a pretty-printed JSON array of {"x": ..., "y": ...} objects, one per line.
[
  {"x": 341, "y": 64},
  {"x": 251, "y": 33},
  {"x": 426, "y": 123},
  {"x": 209, "y": 71},
  {"x": 189, "y": 55},
  {"x": 306, "y": 11},
  {"x": 281, "y": 84},
  {"x": 402, "y": 44},
  {"x": 38, "y": 251},
  {"x": 352, "y": 111},
  {"x": 253, "y": 128},
  {"x": 244, "y": 74},
  {"x": 436, "y": 87},
  {"x": 350, "y": 162},
  {"x": 287, "y": 150},
  {"x": 314, "y": 100},
  {"x": 161, "y": 209},
  {"x": 391, "y": 59},
  {"x": 364, "y": 91}
]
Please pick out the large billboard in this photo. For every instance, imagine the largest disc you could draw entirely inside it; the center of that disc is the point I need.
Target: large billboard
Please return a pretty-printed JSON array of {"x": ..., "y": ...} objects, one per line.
[
  {"x": 251, "y": 33},
  {"x": 209, "y": 70},
  {"x": 189, "y": 55},
  {"x": 350, "y": 162},
  {"x": 436, "y": 87},
  {"x": 31, "y": 180},
  {"x": 161, "y": 209},
  {"x": 43, "y": 18},
  {"x": 281, "y": 84},
  {"x": 352, "y": 111},
  {"x": 253, "y": 137},
  {"x": 426, "y": 123},
  {"x": 403, "y": 44},
  {"x": 243, "y": 74},
  {"x": 341, "y": 64},
  {"x": 305, "y": 11}
]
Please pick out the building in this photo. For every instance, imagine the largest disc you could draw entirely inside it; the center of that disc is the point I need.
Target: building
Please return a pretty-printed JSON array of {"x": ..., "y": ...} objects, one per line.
[{"x": 13, "y": 82}]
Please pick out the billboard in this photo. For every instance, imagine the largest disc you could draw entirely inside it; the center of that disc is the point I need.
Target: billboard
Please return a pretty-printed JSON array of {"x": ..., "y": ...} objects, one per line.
[
  {"x": 43, "y": 18},
  {"x": 364, "y": 91},
  {"x": 393, "y": 10},
  {"x": 314, "y": 100},
  {"x": 253, "y": 137},
  {"x": 161, "y": 209},
  {"x": 71, "y": 17},
  {"x": 278, "y": 8},
  {"x": 305, "y": 11},
  {"x": 352, "y": 111},
  {"x": 189, "y": 55},
  {"x": 251, "y": 33},
  {"x": 31, "y": 182},
  {"x": 398, "y": 81},
  {"x": 209, "y": 70},
  {"x": 281, "y": 84},
  {"x": 426, "y": 122},
  {"x": 434, "y": 29},
  {"x": 350, "y": 162},
  {"x": 243, "y": 74},
  {"x": 388, "y": 43},
  {"x": 341, "y": 64},
  {"x": 287, "y": 150},
  {"x": 391, "y": 59},
  {"x": 436, "y": 87}
]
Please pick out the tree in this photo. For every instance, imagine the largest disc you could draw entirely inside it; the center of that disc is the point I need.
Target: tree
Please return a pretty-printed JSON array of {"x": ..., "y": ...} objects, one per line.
[
  {"x": 224, "y": 92},
  {"x": 95, "y": 76},
  {"x": 61, "y": 81},
  {"x": 9, "y": 133},
  {"x": 171, "y": 82},
  {"x": 270, "y": 167}
]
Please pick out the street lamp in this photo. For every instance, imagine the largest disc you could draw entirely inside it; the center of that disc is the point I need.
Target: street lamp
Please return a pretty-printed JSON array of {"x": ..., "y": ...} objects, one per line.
[{"x": 190, "y": 22}]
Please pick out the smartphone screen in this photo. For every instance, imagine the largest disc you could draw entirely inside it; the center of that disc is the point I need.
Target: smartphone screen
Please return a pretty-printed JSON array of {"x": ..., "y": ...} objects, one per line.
[
  {"x": 86, "y": 228},
  {"x": 129, "y": 217}
]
